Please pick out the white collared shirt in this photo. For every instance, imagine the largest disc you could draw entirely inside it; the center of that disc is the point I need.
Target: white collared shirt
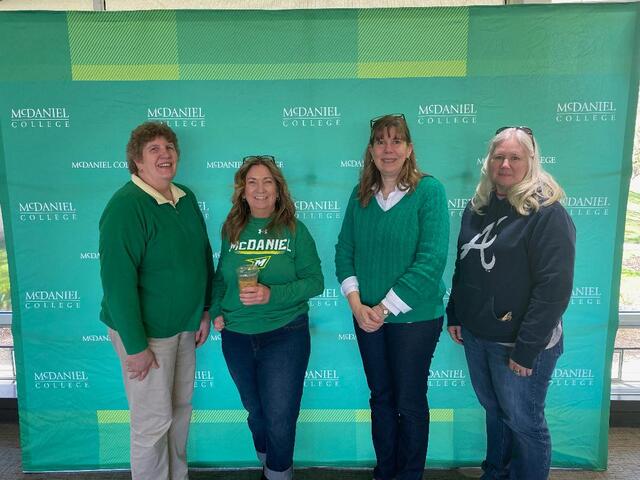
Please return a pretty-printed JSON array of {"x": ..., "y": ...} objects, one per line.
[{"x": 392, "y": 199}]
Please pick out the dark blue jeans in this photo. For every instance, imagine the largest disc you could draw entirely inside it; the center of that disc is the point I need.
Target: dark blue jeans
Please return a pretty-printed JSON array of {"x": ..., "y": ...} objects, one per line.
[
  {"x": 396, "y": 361},
  {"x": 268, "y": 369},
  {"x": 518, "y": 440}
]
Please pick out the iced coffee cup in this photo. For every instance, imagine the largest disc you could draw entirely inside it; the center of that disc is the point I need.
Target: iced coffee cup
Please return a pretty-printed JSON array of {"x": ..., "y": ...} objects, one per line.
[{"x": 247, "y": 276}]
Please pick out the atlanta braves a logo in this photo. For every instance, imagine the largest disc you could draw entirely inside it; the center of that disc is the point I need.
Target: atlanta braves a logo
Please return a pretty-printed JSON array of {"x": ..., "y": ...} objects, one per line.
[{"x": 485, "y": 242}]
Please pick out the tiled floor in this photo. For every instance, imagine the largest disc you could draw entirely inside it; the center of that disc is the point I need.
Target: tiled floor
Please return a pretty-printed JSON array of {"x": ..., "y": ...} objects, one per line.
[{"x": 624, "y": 464}]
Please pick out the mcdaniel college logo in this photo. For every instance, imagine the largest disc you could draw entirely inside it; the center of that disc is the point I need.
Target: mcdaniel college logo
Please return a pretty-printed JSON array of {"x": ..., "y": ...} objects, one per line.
[
  {"x": 192, "y": 117},
  {"x": 321, "y": 378},
  {"x": 43, "y": 117},
  {"x": 317, "y": 209},
  {"x": 52, "y": 300},
  {"x": 582, "y": 112},
  {"x": 447, "y": 114},
  {"x": 47, "y": 212},
  {"x": 311, "y": 116},
  {"x": 61, "y": 380},
  {"x": 587, "y": 206}
]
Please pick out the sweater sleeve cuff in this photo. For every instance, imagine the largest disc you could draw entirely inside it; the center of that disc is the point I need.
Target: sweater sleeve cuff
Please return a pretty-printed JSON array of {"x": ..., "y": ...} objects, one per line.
[
  {"x": 349, "y": 284},
  {"x": 395, "y": 304},
  {"x": 524, "y": 355},
  {"x": 133, "y": 343},
  {"x": 452, "y": 321}
]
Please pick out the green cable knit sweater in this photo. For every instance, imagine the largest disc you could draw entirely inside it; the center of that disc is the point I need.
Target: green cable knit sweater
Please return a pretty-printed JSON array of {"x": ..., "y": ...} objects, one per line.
[{"x": 404, "y": 248}]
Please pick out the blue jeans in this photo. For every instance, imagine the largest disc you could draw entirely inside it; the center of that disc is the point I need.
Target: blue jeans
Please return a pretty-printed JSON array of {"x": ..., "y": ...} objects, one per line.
[
  {"x": 268, "y": 370},
  {"x": 396, "y": 361},
  {"x": 518, "y": 440}
]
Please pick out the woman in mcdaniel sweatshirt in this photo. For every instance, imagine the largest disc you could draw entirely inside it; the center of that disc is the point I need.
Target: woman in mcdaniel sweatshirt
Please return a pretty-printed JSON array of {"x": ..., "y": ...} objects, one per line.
[
  {"x": 512, "y": 283},
  {"x": 265, "y": 325}
]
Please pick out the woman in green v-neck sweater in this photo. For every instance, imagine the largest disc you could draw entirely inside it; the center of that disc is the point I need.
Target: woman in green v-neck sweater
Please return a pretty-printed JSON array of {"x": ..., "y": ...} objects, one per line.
[
  {"x": 390, "y": 257},
  {"x": 265, "y": 328}
]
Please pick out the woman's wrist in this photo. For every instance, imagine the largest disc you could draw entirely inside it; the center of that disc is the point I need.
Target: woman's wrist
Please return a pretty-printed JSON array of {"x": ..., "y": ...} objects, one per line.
[
  {"x": 354, "y": 300},
  {"x": 383, "y": 309}
]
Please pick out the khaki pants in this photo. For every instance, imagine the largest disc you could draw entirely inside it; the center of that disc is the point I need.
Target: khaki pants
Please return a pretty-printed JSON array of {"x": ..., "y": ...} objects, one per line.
[{"x": 160, "y": 408}]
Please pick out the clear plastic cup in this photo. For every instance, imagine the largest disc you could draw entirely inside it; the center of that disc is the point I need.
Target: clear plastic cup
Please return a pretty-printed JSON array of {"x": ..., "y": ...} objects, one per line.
[{"x": 247, "y": 276}]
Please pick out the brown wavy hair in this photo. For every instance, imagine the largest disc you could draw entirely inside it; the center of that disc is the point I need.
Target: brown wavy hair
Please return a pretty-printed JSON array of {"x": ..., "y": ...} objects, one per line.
[
  {"x": 370, "y": 178},
  {"x": 284, "y": 214},
  {"x": 143, "y": 134}
]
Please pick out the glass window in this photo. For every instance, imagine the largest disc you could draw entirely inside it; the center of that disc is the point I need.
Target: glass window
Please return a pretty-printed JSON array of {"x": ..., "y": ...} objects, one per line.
[
  {"x": 7, "y": 368},
  {"x": 46, "y": 4},
  {"x": 5, "y": 290},
  {"x": 7, "y": 364},
  {"x": 630, "y": 281},
  {"x": 628, "y": 349},
  {"x": 625, "y": 368}
]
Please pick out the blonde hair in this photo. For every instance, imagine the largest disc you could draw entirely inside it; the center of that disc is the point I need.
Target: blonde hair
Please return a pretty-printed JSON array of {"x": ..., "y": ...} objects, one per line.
[
  {"x": 370, "y": 178},
  {"x": 537, "y": 189},
  {"x": 284, "y": 214}
]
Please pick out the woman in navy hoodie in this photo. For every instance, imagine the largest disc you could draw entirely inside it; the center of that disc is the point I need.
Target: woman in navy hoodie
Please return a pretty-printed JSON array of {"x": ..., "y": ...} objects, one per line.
[{"x": 512, "y": 283}]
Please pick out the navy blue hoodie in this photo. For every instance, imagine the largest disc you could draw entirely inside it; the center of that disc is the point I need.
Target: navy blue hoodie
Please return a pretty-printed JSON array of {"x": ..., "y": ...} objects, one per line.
[{"x": 513, "y": 275}]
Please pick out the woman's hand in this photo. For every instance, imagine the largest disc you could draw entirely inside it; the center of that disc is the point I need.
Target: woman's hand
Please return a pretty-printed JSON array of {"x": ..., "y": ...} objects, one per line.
[
  {"x": 203, "y": 332},
  {"x": 368, "y": 319},
  {"x": 258, "y": 295},
  {"x": 379, "y": 310},
  {"x": 138, "y": 365},
  {"x": 218, "y": 323},
  {"x": 456, "y": 334},
  {"x": 519, "y": 370}
]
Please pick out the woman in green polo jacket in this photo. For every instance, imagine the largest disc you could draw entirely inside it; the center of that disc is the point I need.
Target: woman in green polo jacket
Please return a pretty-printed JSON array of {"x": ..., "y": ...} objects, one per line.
[{"x": 156, "y": 268}]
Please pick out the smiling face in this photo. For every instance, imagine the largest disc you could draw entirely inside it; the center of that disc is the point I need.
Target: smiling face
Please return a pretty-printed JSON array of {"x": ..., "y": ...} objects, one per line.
[
  {"x": 260, "y": 191},
  {"x": 389, "y": 152},
  {"x": 158, "y": 163},
  {"x": 508, "y": 165}
]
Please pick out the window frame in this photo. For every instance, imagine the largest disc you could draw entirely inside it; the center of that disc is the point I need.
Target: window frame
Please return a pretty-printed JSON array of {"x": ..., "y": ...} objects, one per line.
[{"x": 621, "y": 390}]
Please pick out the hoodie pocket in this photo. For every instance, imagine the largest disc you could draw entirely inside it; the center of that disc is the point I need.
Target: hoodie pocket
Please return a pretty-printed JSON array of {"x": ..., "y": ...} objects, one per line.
[{"x": 478, "y": 314}]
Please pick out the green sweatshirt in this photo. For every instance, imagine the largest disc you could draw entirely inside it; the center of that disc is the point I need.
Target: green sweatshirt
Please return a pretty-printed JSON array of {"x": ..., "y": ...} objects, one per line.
[
  {"x": 156, "y": 266},
  {"x": 289, "y": 266},
  {"x": 404, "y": 248}
]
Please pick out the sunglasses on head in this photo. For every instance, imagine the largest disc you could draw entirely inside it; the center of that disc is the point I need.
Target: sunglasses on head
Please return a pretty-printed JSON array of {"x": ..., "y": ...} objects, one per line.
[
  {"x": 253, "y": 158},
  {"x": 373, "y": 121},
  {"x": 526, "y": 130}
]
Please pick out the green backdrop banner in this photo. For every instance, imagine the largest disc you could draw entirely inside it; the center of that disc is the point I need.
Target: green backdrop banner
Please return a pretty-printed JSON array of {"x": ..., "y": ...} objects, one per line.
[{"x": 300, "y": 85}]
